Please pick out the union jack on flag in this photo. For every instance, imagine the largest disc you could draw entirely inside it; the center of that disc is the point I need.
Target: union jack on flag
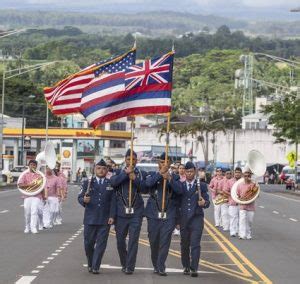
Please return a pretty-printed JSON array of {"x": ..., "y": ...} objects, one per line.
[{"x": 149, "y": 72}]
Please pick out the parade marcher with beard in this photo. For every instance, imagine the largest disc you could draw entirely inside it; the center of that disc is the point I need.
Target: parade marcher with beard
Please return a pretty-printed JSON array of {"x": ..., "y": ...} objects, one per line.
[
  {"x": 129, "y": 217},
  {"x": 160, "y": 228},
  {"x": 194, "y": 199},
  {"x": 99, "y": 201}
]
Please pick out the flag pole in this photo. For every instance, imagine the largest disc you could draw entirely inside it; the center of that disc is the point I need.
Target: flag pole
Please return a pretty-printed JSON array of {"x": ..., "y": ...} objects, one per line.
[
  {"x": 131, "y": 163},
  {"x": 166, "y": 162}
]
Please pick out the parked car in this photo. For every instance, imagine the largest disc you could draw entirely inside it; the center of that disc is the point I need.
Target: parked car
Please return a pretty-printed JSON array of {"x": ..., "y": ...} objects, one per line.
[{"x": 16, "y": 172}]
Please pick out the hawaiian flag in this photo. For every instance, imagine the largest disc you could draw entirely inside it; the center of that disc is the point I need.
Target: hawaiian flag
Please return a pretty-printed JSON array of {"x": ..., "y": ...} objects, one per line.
[
  {"x": 65, "y": 97},
  {"x": 144, "y": 88}
]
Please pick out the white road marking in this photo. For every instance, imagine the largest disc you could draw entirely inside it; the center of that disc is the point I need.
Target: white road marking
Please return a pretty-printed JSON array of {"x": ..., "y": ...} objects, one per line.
[
  {"x": 275, "y": 212},
  {"x": 40, "y": 266},
  {"x": 9, "y": 191},
  {"x": 62, "y": 247},
  {"x": 65, "y": 244},
  {"x": 283, "y": 197},
  {"x": 50, "y": 258},
  {"x": 58, "y": 250},
  {"x": 261, "y": 206},
  {"x": 46, "y": 262},
  {"x": 54, "y": 254},
  {"x": 4, "y": 211},
  {"x": 25, "y": 280},
  {"x": 35, "y": 271},
  {"x": 68, "y": 241},
  {"x": 175, "y": 270},
  {"x": 294, "y": 220}
]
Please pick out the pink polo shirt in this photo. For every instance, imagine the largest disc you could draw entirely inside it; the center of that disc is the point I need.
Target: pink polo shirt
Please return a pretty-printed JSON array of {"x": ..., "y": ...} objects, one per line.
[
  {"x": 227, "y": 186},
  {"x": 241, "y": 192},
  {"x": 28, "y": 178},
  {"x": 52, "y": 185},
  {"x": 215, "y": 186}
]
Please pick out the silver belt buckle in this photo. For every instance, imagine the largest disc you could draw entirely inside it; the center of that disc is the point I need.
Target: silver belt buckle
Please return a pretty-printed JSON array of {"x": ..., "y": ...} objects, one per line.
[
  {"x": 129, "y": 210},
  {"x": 162, "y": 215}
]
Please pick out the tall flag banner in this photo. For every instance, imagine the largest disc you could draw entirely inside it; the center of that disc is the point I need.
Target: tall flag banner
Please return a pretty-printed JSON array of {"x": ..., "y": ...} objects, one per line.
[
  {"x": 144, "y": 88},
  {"x": 65, "y": 97}
]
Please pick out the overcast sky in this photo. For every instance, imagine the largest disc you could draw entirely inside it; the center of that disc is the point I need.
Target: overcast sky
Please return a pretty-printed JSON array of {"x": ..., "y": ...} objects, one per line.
[{"x": 253, "y": 3}]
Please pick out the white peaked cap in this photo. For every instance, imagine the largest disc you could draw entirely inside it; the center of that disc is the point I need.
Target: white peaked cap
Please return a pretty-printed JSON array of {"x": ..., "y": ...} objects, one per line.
[{"x": 247, "y": 170}]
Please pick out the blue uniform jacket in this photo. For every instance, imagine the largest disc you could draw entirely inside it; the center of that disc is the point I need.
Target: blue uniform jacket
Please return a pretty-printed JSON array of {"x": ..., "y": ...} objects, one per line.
[
  {"x": 102, "y": 204},
  {"x": 189, "y": 207},
  {"x": 120, "y": 182},
  {"x": 155, "y": 187}
]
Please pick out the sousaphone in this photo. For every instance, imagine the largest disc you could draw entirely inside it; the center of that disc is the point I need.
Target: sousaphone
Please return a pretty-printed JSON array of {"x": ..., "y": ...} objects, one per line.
[
  {"x": 256, "y": 163},
  {"x": 47, "y": 157}
]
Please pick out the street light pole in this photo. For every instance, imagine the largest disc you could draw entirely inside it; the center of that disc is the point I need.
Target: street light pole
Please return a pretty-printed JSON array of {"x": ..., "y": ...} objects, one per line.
[
  {"x": 22, "y": 140},
  {"x": 233, "y": 147}
]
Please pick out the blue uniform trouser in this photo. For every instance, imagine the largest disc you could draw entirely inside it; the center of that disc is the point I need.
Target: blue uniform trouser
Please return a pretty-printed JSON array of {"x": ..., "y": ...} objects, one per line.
[
  {"x": 191, "y": 235},
  {"x": 95, "y": 241},
  {"x": 160, "y": 235},
  {"x": 131, "y": 227}
]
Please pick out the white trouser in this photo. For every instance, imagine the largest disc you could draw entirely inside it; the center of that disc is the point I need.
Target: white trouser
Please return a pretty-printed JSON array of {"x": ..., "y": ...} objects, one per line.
[
  {"x": 31, "y": 205},
  {"x": 53, "y": 208},
  {"x": 46, "y": 214},
  {"x": 59, "y": 213},
  {"x": 245, "y": 224},
  {"x": 217, "y": 214},
  {"x": 225, "y": 216},
  {"x": 233, "y": 211},
  {"x": 40, "y": 215}
]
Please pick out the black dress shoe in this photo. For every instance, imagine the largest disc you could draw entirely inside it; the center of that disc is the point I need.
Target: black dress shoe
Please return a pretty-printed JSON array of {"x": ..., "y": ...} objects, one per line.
[
  {"x": 162, "y": 273},
  {"x": 90, "y": 269},
  {"x": 128, "y": 271},
  {"x": 95, "y": 271},
  {"x": 194, "y": 273},
  {"x": 186, "y": 271}
]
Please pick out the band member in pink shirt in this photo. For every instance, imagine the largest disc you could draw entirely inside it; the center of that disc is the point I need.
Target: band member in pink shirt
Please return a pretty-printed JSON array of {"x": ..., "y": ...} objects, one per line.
[
  {"x": 53, "y": 191},
  {"x": 63, "y": 184},
  {"x": 225, "y": 191},
  {"x": 233, "y": 209},
  {"x": 246, "y": 213},
  {"x": 215, "y": 187},
  {"x": 31, "y": 203}
]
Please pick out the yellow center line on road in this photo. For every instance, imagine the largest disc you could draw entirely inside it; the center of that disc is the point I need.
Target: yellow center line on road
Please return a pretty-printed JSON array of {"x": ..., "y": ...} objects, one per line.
[
  {"x": 244, "y": 271},
  {"x": 244, "y": 259}
]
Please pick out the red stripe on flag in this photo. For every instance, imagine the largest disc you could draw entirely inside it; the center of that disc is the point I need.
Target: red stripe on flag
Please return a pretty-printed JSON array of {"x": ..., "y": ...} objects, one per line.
[{"x": 129, "y": 112}]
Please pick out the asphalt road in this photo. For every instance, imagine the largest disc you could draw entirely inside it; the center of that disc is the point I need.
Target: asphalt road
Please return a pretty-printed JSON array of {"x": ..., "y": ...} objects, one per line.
[{"x": 57, "y": 255}]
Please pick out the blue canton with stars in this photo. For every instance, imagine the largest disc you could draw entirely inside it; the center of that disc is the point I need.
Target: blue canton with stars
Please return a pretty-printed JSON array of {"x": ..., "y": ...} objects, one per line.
[{"x": 118, "y": 64}]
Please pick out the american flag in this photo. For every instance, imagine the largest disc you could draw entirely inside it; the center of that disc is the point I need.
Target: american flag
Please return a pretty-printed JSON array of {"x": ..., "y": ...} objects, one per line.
[
  {"x": 65, "y": 97},
  {"x": 141, "y": 89}
]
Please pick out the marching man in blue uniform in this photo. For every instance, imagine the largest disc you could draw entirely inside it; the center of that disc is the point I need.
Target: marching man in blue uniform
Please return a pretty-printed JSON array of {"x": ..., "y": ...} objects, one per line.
[
  {"x": 193, "y": 200},
  {"x": 161, "y": 221},
  {"x": 129, "y": 211},
  {"x": 99, "y": 201}
]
